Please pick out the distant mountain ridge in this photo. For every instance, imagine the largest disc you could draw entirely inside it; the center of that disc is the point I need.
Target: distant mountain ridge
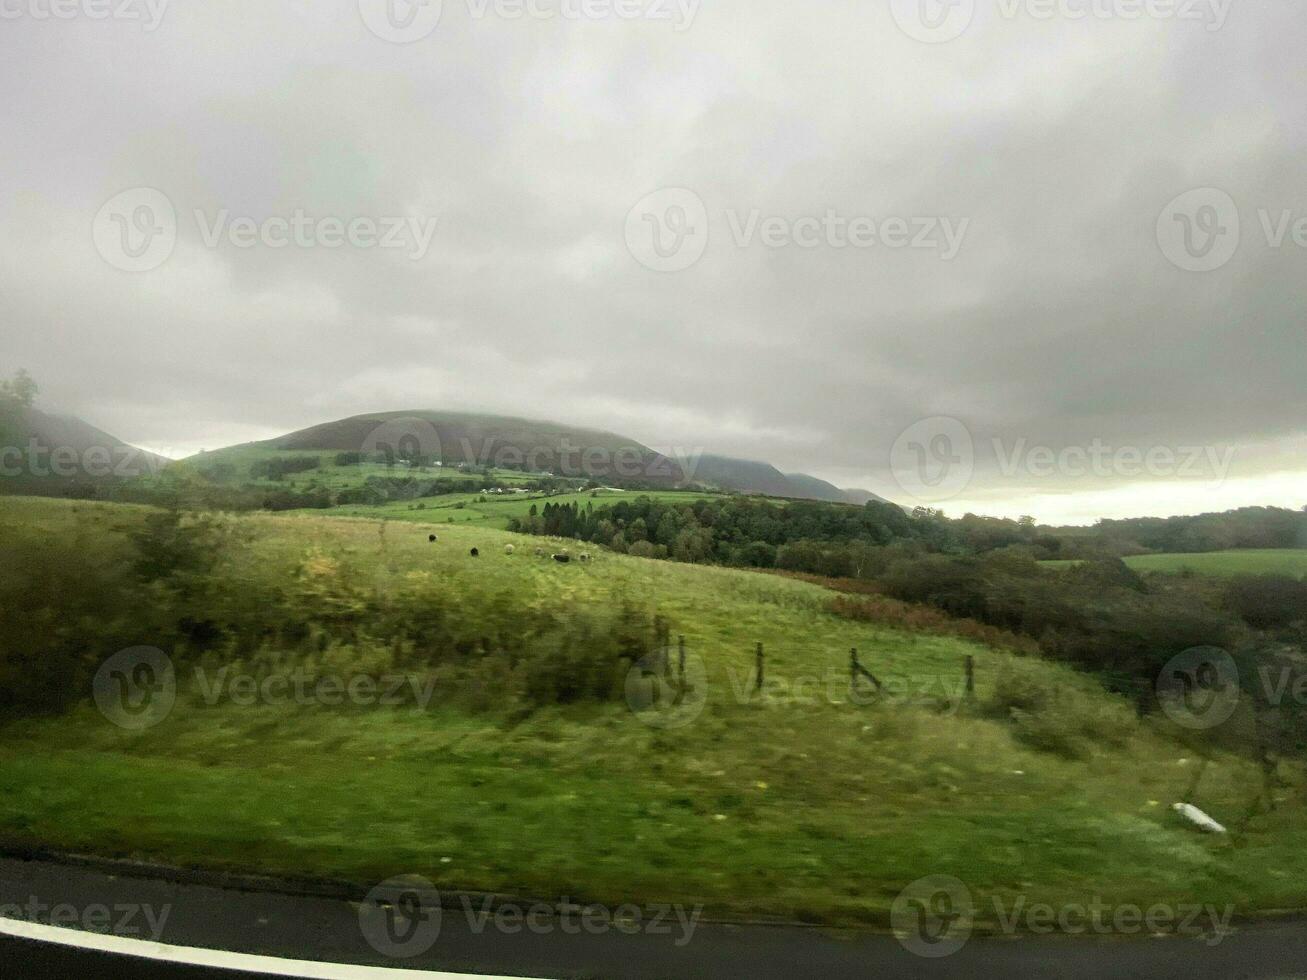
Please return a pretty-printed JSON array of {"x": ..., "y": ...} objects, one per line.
[
  {"x": 477, "y": 439},
  {"x": 54, "y": 450},
  {"x": 466, "y": 438},
  {"x": 753, "y": 477},
  {"x": 455, "y": 438}
]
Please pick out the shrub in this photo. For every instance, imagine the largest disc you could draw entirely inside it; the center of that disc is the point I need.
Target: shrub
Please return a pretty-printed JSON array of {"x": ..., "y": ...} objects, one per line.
[
  {"x": 1268, "y": 601},
  {"x": 1059, "y": 719}
]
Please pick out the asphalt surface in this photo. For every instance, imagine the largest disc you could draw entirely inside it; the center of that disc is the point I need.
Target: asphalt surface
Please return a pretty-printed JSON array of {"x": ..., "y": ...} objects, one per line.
[{"x": 329, "y": 930}]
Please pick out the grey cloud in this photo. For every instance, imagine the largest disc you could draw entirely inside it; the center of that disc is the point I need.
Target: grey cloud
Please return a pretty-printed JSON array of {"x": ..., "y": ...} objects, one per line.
[{"x": 1059, "y": 321}]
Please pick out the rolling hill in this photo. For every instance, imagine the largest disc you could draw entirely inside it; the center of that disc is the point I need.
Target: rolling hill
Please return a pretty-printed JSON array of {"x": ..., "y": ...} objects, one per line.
[
  {"x": 527, "y": 445},
  {"x": 457, "y": 438},
  {"x": 45, "y": 452},
  {"x": 749, "y": 476}
]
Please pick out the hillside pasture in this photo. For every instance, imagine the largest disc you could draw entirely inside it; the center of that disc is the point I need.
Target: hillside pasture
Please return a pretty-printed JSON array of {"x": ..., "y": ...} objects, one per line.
[
  {"x": 236, "y": 465},
  {"x": 496, "y": 510},
  {"x": 1218, "y": 564},
  {"x": 797, "y": 801}
]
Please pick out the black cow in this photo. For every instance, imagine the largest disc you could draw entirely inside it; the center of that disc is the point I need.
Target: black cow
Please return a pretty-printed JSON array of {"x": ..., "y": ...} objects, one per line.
[
  {"x": 562, "y": 559},
  {"x": 476, "y": 553},
  {"x": 433, "y": 539}
]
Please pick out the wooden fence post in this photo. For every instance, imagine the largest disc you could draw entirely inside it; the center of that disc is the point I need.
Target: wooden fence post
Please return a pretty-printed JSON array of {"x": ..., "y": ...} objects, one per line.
[
  {"x": 971, "y": 676},
  {"x": 856, "y": 670},
  {"x": 758, "y": 685},
  {"x": 663, "y": 641}
]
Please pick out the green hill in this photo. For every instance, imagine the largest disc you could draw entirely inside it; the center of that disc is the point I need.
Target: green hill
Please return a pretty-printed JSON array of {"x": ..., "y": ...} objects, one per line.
[
  {"x": 47, "y": 453},
  {"x": 507, "y": 447},
  {"x": 497, "y": 442}
]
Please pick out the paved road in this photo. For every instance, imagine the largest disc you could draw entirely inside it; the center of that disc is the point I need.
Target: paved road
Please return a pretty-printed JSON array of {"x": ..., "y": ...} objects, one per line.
[{"x": 329, "y": 930}]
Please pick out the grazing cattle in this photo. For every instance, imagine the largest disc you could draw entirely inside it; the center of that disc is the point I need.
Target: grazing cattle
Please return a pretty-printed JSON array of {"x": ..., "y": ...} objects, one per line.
[
  {"x": 585, "y": 558},
  {"x": 433, "y": 539},
  {"x": 540, "y": 552},
  {"x": 509, "y": 549},
  {"x": 562, "y": 559},
  {"x": 476, "y": 553}
]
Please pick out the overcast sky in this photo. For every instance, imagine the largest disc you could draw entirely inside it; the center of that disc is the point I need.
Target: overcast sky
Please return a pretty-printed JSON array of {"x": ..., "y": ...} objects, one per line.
[{"x": 858, "y": 239}]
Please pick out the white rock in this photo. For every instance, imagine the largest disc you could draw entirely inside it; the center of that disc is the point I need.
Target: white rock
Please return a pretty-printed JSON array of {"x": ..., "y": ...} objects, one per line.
[{"x": 1196, "y": 817}]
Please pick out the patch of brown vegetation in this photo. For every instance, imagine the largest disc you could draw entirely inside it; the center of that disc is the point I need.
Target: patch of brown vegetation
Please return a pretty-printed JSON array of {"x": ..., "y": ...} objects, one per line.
[{"x": 893, "y": 613}]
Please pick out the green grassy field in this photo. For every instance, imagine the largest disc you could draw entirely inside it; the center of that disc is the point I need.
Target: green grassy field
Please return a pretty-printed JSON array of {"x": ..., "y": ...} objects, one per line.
[
  {"x": 233, "y": 465},
  {"x": 495, "y": 511},
  {"x": 1220, "y": 563},
  {"x": 796, "y": 804}
]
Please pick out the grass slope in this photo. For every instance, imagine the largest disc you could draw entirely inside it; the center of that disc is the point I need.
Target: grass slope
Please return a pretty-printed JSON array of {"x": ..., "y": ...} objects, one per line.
[
  {"x": 480, "y": 441},
  {"x": 234, "y": 465},
  {"x": 496, "y": 511},
  {"x": 1251, "y": 561},
  {"x": 790, "y": 805}
]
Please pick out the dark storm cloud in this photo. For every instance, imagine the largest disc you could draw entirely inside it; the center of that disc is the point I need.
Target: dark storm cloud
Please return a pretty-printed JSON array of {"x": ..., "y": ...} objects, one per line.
[{"x": 1051, "y": 146}]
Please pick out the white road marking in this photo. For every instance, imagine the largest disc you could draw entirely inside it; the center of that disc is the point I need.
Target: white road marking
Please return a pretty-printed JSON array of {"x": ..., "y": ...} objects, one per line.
[{"x": 220, "y": 959}]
